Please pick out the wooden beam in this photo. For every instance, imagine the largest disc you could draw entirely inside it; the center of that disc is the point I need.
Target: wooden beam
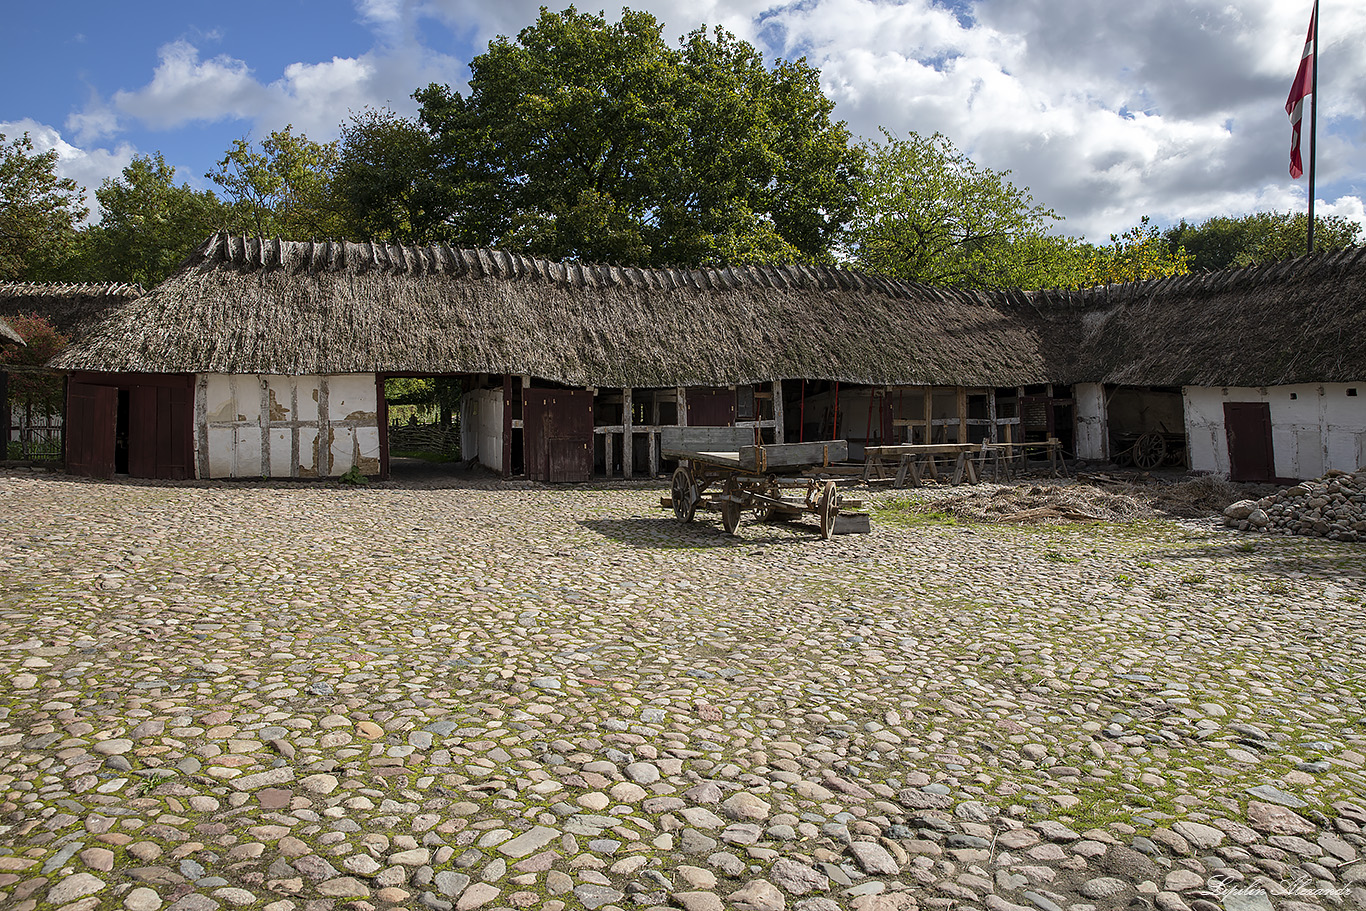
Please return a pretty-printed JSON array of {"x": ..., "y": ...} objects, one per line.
[
  {"x": 962, "y": 394},
  {"x": 628, "y": 450},
  {"x": 777, "y": 387},
  {"x": 928, "y": 415},
  {"x": 507, "y": 425},
  {"x": 991, "y": 415}
]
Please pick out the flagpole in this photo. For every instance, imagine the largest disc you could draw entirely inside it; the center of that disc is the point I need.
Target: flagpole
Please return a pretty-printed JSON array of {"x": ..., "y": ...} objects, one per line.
[{"x": 1313, "y": 126}]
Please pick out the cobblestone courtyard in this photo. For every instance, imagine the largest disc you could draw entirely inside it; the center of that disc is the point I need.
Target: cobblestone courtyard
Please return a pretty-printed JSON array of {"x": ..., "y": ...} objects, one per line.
[{"x": 314, "y": 697}]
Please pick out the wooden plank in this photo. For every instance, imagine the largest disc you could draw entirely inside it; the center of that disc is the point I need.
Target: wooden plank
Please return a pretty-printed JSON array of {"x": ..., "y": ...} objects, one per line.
[
  {"x": 791, "y": 455},
  {"x": 705, "y": 439}
]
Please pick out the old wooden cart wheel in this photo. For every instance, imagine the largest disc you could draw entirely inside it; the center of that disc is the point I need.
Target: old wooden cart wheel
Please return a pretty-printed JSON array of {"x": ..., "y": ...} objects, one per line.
[
  {"x": 684, "y": 496},
  {"x": 828, "y": 506},
  {"x": 730, "y": 507},
  {"x": 1150, "y": 450}
]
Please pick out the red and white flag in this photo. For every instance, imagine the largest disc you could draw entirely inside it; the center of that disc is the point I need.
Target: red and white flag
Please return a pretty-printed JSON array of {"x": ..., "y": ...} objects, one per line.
[{"x": 1299, "y": 89}]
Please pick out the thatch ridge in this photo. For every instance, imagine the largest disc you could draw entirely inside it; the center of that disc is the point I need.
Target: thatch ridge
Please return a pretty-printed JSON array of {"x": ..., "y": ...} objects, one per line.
[
  {"x": 7, "y": 332},
  {"x": 71, "y": 307},
  {"x": 251, "y": 253}
]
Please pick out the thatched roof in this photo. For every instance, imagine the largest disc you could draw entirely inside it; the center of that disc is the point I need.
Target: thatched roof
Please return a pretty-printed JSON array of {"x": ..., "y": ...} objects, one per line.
[
  {"x": 1297, "y": 321},
  {"x": 71, "y": 309},
  {"x": 8, "y": 333},
  {"x": 242, "y": 305}
]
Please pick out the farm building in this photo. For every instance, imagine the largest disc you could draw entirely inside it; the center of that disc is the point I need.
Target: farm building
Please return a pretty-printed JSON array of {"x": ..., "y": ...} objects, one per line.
[
  {"x": 30, "y": 420},
  {"x": 269, "y": 358}
]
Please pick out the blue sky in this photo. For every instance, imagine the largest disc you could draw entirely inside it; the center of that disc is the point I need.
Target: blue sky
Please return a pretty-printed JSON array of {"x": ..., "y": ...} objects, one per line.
[{"x": 1107, "y": 110}]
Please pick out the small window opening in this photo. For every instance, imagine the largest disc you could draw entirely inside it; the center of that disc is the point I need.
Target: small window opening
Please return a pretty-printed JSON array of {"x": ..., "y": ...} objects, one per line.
[
  {"x": 1294, "y": 395},
  {"x": 1352, "y": 391}
]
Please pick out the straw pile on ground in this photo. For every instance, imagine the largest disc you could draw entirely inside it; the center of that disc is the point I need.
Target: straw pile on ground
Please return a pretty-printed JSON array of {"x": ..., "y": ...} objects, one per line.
[
  {"x": 1096, "y": 498},
  {"x": 1333, "y": 507}
]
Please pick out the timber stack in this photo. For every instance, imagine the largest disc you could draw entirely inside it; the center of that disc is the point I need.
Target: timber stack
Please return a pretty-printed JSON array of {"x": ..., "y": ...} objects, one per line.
[{"x": 1333, "y": 506}]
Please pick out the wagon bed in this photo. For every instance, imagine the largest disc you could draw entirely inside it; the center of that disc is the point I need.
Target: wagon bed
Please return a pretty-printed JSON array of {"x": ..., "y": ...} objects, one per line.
[{"x": 723, "y": 469}]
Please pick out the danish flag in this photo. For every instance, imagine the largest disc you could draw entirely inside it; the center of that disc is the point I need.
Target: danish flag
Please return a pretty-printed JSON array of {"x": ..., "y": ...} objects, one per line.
[{"x": 1299, "y": 89}]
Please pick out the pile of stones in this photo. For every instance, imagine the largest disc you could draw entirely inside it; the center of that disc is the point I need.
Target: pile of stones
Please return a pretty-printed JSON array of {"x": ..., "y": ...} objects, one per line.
[{"x": 1332, "y": 507}]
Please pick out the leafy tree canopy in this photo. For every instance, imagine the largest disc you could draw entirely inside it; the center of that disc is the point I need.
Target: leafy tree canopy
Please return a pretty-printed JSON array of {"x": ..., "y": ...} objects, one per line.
[
  {"x": 34, "y": 389},
  {"x": 149, "y": 223},
  {"x": 39, "y": 212},
  {"x": 928, "y": 213},
  {"x": 385, "y": 185},
  {"x": 281, "y": 188},
  {"x": 1262, "y": 237},
  {"x": 584, "y": 139}
]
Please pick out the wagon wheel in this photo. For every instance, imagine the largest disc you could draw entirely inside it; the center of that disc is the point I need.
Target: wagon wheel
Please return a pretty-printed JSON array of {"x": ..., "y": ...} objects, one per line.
[
  {"x": 828, "y": 507},
  {"x": 1149, "y": 450},
  {"x": 730, "y": 507},
  {"x": 765, "y": 512},
  {"x": 684, "y": 494}
]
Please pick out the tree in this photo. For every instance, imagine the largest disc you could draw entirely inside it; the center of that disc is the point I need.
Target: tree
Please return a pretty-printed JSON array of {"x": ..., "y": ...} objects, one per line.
[
  {"x": 583, "y": 139},
  {"x": 34, "y": 390},
  {"x": 1139, "y": 254},
  {"x": 149, "y": 224},
  {"x": 282, "y": 189},
  {"x": 1262, "y": 237},
  {"x": 39, "y": 212},
  {"x": 928, "y": 213},
  {"x": 385, "y": 185}
]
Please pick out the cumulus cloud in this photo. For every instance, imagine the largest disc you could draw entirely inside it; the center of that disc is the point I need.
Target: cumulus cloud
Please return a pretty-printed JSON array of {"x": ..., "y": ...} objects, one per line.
[
  {"x": 315, "y": 97},
  {"x": 87, "y": 166}
]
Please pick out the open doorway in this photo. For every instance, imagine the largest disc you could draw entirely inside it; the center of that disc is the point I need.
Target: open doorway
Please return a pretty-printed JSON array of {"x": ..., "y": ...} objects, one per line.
[{"x": 422, "y": 415}]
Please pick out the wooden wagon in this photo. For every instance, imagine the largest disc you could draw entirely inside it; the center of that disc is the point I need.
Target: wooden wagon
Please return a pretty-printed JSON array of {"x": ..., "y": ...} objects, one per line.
[{"x": 723, "y": 469}]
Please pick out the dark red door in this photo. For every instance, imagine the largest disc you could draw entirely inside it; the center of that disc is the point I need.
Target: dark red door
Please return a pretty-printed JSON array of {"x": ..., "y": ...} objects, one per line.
[
  {"x": 710, "y": 407},
  {"x": 557, "y": 434},
  {"x": 91, "y": 417},
  {"x": 1248, "y": 427},
  {"x": 160, "y": 438}
]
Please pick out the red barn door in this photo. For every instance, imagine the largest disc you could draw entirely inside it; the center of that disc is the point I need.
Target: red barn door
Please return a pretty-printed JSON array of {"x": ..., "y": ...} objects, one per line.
[
  {"x": 557, "y": 433},
  {"x": 91, "y": 418}
]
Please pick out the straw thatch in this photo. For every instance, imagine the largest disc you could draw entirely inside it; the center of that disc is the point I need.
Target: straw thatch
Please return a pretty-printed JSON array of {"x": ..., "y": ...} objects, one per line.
[
  {"x": 71, "y": 309},
  {"x": 1297, "y": 321},
  {"x": 243, "y": 306},
  {"x": 7, "y": 333}
]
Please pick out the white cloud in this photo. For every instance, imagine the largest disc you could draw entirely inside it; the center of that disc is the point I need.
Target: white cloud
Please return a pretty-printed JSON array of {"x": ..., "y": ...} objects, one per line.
[
  {"x": 87, "y": 166},
  {"x": 315, "y": 97}
]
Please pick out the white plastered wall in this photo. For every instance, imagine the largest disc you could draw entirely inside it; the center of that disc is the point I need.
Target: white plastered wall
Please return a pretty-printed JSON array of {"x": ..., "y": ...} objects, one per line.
[
  {"x": 1093, "y": 431},
  {"x": 481, "y": 427},
  {"x": 1314, "y": 427},
  {"x": 255, "y": 426}
]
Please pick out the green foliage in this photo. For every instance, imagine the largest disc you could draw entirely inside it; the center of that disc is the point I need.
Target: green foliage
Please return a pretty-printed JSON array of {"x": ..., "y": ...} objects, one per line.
[
  {"x": 281, "y": 189},
  {"x": 149, "y": 224},
  {"x": 1139, "y": 254},
  {"x": 928, "y": 213},
  {"x": 354, "y": 476},
  {"x": 42, "y": 343},
  {"x": 1262, "y": 237},
  {"x": 584, "y": 139},
  {"x": 39, "y": 212},
  {"x": 385, "y": 187}
]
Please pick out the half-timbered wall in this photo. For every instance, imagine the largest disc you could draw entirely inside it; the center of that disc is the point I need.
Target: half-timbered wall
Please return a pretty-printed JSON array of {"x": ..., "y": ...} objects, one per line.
[
  {"x": 253, "y": 426},
  {"x": 1313, "y": 427}
]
